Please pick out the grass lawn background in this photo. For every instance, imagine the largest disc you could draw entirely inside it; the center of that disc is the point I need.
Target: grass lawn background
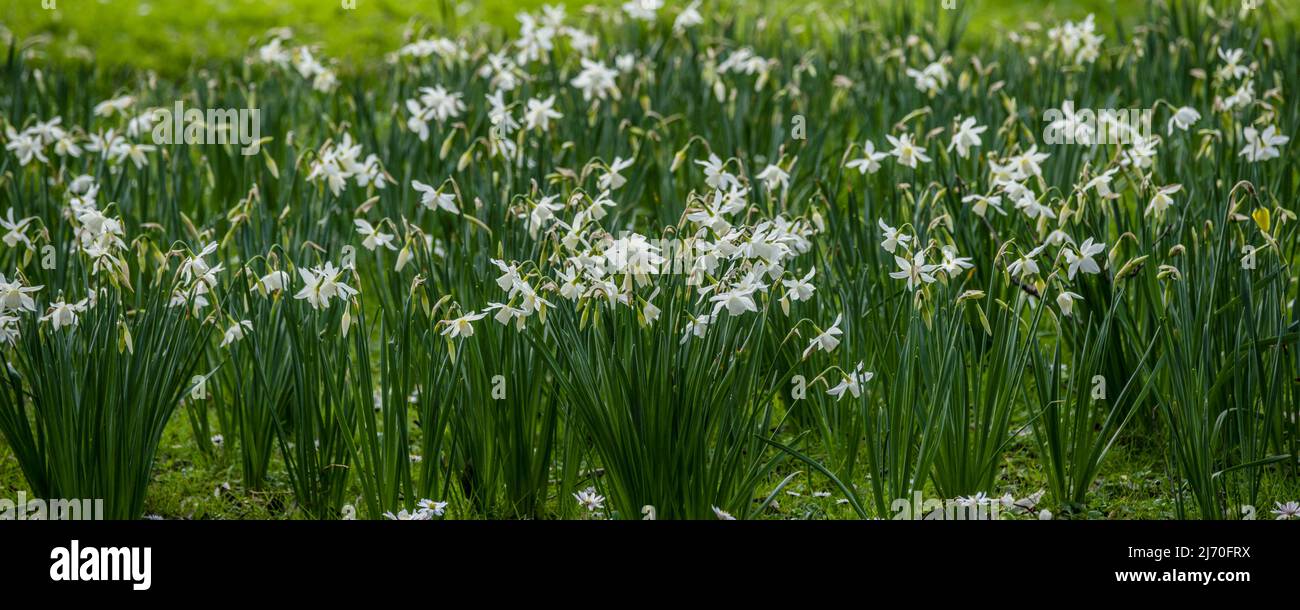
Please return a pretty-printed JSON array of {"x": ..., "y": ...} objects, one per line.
[{"x": 172, "y": 35}]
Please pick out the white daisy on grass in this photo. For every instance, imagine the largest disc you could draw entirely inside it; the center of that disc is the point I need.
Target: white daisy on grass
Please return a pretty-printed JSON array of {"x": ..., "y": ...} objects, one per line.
[
  {"x": 590, "y": 500},
  {"x": 1290, "y": 510},
  {"x": 436, "y": 509}
]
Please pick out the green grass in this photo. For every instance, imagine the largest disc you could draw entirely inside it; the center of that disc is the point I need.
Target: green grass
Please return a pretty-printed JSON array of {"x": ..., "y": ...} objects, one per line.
[
  {"x": 172, "y": 35},
  {"x": 188, "y": 484}
]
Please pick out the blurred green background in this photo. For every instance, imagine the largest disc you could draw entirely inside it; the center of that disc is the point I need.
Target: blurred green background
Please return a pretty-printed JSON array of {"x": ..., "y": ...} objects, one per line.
[{"x": 172, "y": 35}]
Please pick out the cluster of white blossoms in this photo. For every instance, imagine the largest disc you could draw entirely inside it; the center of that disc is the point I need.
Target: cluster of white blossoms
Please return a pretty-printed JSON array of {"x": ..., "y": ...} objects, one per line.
[
  {"x": 1016, "y": 178},
  {"x": 197, "y": 279},
  {"x": 537, "y": 36},
  {"x": 744, "y": 61},
  {"x": 906, "y": 152},
  {"x": 337, "y": 162},
  {"x": 433, "y": 104},
  {"x": 932, "y": 79},
  {"x": 426, "y": 510},
  {"x": 321, "y": 285},
  {"x": 596, "y": 81},
  {"x": 1237, "y": 81},
  {"x": 1078, "y": 42},
  {"x": 300, "y": 60},
  {"x": 116, "y": 148},
  {"x": 99, "y": 238},
  {"x": 730, "y": 265},
  {"x": 448, "y": 50},
  {"x": 1005, "y": 502},
  {"x": 29, "y": 145}
]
